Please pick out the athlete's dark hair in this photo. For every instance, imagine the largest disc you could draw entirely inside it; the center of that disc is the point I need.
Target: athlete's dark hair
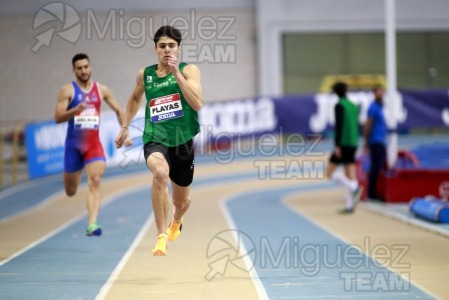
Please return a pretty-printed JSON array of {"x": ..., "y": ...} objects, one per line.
[
  {"x": 168, "y": 31},
  {"x": 79, "y": 56},
  {"x": 377, "y": 87},
  {"x": 340, "y": 88}
]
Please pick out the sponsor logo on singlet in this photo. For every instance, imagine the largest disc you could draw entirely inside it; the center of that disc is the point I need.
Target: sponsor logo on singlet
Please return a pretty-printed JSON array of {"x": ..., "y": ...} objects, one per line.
[{"x": 166, "y": 108}]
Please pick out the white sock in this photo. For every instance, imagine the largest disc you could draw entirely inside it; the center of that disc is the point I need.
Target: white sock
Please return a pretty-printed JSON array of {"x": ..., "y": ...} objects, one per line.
[
  {"x": 342, "y": 179},
  {"x": 354, "y": 185},
  {"x": 349, "y": 201}
]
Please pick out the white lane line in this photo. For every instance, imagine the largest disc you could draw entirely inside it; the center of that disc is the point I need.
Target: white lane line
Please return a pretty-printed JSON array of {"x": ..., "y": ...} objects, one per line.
[
  {"x": 43, "y": 239},
  {"x": 381, "y": 209},
  {"x": 260, "y": 289},
  {"x": 36, "y": 206},
  {"x": 328, "y": 230},
  {"x": 27, "y": 185},
  {"x": 49, "y": 199},
  {"x": 107, "y": 201},
  {"x": 114, "y": 275}
]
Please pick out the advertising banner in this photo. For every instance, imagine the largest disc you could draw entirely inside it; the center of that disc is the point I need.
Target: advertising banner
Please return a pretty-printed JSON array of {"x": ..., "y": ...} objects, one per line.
[{"x": 227, "y": 121}]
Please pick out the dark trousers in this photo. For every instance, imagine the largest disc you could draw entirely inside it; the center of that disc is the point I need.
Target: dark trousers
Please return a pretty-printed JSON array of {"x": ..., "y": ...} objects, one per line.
[{"x": 378, "y": 155}]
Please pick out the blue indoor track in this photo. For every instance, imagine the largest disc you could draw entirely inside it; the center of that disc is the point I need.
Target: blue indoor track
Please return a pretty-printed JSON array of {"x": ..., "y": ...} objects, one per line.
[{"x": 285, "y": 253}]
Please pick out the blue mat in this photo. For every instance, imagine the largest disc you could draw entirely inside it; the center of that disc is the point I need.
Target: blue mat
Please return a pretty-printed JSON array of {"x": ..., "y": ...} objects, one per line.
[{"x": 433, "y": 156}]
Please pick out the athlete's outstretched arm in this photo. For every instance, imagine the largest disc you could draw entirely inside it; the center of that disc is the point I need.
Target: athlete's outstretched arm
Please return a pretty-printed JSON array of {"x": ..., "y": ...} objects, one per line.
[
  {"x": 62, "y": 114},
  {"x": 189, "y": 82},
  {"x": 113, "y": 104},
  {"x": 131, "y": 109}
]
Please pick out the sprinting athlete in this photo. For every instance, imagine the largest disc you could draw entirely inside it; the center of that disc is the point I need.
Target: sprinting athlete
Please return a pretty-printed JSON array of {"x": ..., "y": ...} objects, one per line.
[
  {"x": 173, "y": 93},
  {"x": 79, "y": 104}
]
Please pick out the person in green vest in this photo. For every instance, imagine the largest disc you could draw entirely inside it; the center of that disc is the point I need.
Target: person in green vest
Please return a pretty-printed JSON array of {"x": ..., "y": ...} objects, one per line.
[
  {"x": 346, "y": 142},
  {"x": 173, "y": 97}
]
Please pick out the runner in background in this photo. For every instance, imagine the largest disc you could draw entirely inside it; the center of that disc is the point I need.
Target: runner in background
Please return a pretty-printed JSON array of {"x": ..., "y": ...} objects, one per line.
[
  {"x": 346, "y": 142},
  {"x": 79, "y": 104}
]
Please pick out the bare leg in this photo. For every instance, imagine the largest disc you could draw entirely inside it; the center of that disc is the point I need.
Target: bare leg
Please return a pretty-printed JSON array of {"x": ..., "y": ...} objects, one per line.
[
  {"x": 181, "y": 200},
  {"x": 350, "y": 171},
  {"x": 159, "y": 191},
  {"x": 166, "y": 201},
  {"x": 71, "y": 182},
  {"x": 94, "y": 171},
  {"x": 331, "y": 167}
]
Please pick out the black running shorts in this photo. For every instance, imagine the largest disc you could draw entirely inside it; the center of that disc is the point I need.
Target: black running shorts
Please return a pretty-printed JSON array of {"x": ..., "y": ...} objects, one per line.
[
  {"x": 180, "y": 159},
  {"x": 347, "y": 156}
]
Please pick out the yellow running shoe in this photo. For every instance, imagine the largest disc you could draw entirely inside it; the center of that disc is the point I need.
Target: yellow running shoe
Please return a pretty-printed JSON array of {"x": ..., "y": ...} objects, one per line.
[
  {"x": 174, "y": 230},
  {"x": 161, "y": 245}
]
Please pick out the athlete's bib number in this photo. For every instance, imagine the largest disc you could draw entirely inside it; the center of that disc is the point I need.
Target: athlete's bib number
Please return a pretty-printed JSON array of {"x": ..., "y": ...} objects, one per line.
[
  {"x": 86, "y": 122},
  {"x": 87, "y": 119},
  {"x": 166, "y": 108}
]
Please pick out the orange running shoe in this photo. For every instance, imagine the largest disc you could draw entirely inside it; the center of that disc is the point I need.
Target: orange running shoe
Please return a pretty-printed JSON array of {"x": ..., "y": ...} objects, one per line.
[
  {"x": 174, "y": 229},
  {"x": 161, "y": 245}
]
